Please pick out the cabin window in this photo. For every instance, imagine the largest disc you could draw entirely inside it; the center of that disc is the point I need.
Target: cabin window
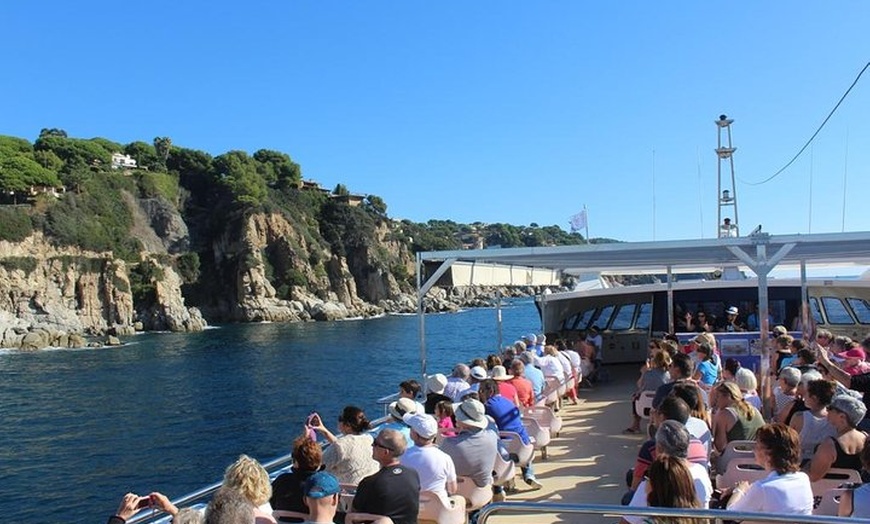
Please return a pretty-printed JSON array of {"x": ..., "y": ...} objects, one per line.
[
  {"x": 836, "y": 311},
  {"x": 602, "y": 317},
  {"x": 579, "y": 321},
  {"x": 644, "y": 317},
  {"x": 861, "y": 309},
  {"x": 817, "y": 311},
  {"x": 622, "y": 319}
]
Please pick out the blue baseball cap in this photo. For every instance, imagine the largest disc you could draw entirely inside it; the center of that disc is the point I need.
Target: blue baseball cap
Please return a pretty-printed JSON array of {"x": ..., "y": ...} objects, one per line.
[{"x": 319, "y": 485}]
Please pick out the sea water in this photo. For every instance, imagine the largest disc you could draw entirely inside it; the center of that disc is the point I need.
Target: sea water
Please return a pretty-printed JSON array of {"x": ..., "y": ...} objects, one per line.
[{"x": 168, "y": 412}]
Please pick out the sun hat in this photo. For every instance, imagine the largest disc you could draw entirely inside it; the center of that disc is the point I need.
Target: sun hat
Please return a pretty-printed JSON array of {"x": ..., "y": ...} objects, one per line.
[
  {"x": 436, "y": 383},
  {"x": 500, "y": 373},
  {"x": 853, "y": 408},
  {"x": 732, "y": 310},
  {"x": 540, "y": 339},
  {"x": 531, "y": 337},
  {"x": 853, "y": 353},
  {"x": 779, "y": 331},
  {"x": 423, "y": 424},
  {"x": 319, "y": 485},
  {"x": 402, "y": 407},
  {"x": 471, "y": 413},
  {"x": 478, "y": 373}
]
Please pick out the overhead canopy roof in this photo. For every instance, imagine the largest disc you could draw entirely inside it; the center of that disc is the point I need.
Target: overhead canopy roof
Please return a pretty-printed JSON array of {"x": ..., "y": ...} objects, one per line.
[{"x": 704, "y": 253}]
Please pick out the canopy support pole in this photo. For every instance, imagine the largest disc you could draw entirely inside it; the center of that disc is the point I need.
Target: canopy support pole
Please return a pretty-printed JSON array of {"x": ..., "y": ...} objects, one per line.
[{"x": 422, "y": 289}]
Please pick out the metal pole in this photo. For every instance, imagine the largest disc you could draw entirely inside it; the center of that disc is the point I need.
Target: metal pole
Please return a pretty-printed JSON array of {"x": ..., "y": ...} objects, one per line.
[
  {"x": 421, "y": 315},
  {"x": 498, "y": 319},
  {"x": 764, "y": 323},
  {"x": 805, "y": 303},
  {"x": 670, "y": 301}
]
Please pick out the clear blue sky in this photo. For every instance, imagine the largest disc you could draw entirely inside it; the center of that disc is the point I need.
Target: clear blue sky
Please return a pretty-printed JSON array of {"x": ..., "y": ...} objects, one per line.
[{"x": 477, "y": 111}]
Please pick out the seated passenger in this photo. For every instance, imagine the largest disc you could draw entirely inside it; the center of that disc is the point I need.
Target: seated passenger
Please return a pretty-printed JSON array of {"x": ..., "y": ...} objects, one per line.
[
  {"x": 435, "y": 386},
  {"x": 748, "y": 384},
  {"x": 458, "y": 381},
  {"x": 434, "y": 467},
  {"x": 797, "y": 404},
  {"x": 698, "y": 423},
  {"x": 672, "y": 439},
  {"x": 785, "y": 390},
  {"x": 855, "y": 502},
  {"x": 524, "y": 387},
  {"x": 670, "y": 485},
  {"x": 397, "y": 411},
  {"x": 411, "y": 389},
  {"x": 732, "y": 322},
  {"x": 287, "y": 492},
  {"x": 533, "y": 373},
  {"x": 653, "y": 373},
  {"x": 843, "y": 451},
  {"x": 320, "y": 494},
  {"x": 394, "y": 491},
  {"x": 445, "y": 417},
  {"x": 706, "y": 370},
  {"x": 228, "y": 505},
  {"x": 854, "y": 360},
  {"x": 473, "y": 450},
  {"x": 786, "y": 490},
  {"x": 735, "y": 419},
  {"x": 812, "y": 425},
  {"x": 680, "y": 371},
  {"x": 250, "y": 479},
  {"x": 505, "y": 388},
  {"x": 349, "y": 456}
]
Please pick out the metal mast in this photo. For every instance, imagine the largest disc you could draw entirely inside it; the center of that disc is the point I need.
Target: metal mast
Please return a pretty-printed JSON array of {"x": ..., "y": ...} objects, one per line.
[{"x": 727, "y": 193}]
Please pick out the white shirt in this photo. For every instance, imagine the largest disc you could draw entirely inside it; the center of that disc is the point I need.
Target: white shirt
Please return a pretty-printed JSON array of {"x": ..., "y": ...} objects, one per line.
[
  {"x": 703, "y": 488},
  {"x": 551, "y": 367},
  {"x": 434, "y": 467},
  {"x": 566, "y": 365},
  {"x": 701, "y": 431},
  {"x": 783, "y": 494}
]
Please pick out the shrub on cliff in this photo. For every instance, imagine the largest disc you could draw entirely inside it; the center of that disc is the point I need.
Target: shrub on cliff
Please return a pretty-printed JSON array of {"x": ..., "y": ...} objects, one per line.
[{"x": 15, "y": 224}]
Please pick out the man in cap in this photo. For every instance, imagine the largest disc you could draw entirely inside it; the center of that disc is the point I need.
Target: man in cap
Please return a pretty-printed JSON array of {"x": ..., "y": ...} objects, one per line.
[
  {"x": 860, "y": 383},
  {"x": 434, "y": 467},
  {"x": 458, "y": 381},
  {"x": 394, "y": 491},
  {"x": 435, "y": 386},
  {"x": 732, "y": 324},
  {"x": 474, "y": 448},
  {"x": 320, "y": 493}
]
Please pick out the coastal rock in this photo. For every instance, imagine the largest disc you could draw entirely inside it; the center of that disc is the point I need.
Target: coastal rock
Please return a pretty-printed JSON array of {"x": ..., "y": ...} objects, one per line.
[
  {"x": 326, "y": 311},
  {"x": 113, "y": 341},
  {"x": 169, "y": 312}
]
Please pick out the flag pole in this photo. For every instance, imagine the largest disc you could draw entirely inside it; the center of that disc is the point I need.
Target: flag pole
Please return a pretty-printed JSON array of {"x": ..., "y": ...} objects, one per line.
[{"x": 586, "y": 216}]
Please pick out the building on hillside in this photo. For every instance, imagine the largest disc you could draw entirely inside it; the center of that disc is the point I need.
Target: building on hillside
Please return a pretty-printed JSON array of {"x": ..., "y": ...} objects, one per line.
[
  {"x": 311, "y": 185},
  {"x": 120, "y": 161},
  {"x": 351, "y": 200}
]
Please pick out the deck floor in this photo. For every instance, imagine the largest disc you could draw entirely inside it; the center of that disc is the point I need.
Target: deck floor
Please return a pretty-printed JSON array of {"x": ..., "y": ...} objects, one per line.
[{"x": 587, "y": 462}]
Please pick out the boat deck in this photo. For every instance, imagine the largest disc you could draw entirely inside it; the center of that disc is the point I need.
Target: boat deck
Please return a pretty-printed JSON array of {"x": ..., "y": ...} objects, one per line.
[{"x": 587, "y": 462}]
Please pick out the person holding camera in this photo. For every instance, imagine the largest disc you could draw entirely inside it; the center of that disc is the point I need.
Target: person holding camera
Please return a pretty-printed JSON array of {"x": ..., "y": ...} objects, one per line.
[{"x": 132, "y": 504}]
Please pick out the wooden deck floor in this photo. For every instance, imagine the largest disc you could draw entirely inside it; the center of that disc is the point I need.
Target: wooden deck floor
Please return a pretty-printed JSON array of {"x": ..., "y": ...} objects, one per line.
[{"x": 587, "y": 461}]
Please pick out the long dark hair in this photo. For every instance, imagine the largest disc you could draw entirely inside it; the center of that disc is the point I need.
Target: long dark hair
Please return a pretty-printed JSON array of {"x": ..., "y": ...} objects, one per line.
[
  {"x": 355, "y": 418},
  {"x": 671, "y": 486}
]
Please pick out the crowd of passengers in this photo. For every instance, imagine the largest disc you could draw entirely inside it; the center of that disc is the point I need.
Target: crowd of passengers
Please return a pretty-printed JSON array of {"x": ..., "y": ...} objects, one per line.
[
  {"x": 425, "y": 447},
  {"x": 813, "y": 419}
]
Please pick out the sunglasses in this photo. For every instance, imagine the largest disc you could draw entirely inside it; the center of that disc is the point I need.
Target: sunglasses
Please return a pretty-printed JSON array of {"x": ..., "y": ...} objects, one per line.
[{"x": 376, "y": 444}]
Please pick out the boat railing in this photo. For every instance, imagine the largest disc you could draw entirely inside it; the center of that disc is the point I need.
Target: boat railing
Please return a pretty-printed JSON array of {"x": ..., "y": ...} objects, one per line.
[{"x": 603, "y": 510}]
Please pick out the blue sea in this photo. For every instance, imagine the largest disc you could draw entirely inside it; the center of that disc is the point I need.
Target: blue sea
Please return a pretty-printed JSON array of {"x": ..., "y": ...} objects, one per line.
[{"x": 168, "y": 412}]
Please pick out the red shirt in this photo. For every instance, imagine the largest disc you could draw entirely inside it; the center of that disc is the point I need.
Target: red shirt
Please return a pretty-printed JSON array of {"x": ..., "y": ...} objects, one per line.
[
  {"x": 507, "y": 390},
  {"x": 524, "y": 390}
]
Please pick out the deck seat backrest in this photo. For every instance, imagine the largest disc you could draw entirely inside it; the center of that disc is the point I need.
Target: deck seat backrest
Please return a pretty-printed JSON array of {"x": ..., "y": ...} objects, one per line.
[
  {"x": 475, "y": 496},
  {"x": 834, "y": 478},
  {"x": 644, "y": 404},
  {"x": 504, "y": 470},
  {"x": 345, "y": 497},
  {"x": 735, "y": 449},
  {"x": 515, "y": 446},
  {"x": 540, "y": 435},
  {"x": 546, "y": 417},
  {"x": 551, "y": 390},
  {"x": 435, "y": 508},
  {"x": 830, "y": 504},
  {"x": 297, "y": 516},
  {"x": 740, "y": 469}
]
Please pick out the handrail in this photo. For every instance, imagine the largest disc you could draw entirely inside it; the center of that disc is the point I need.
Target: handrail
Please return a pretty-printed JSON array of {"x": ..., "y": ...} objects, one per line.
[{"x": 536, "y": 508}]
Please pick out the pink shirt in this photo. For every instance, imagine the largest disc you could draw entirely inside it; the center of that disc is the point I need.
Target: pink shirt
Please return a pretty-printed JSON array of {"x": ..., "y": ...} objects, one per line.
[{"x": 446, "y": 423}]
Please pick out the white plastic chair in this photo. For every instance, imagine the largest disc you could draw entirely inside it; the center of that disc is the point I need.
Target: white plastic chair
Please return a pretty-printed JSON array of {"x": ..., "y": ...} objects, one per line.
[
  {"x": 834, "y": 478},
  {"x": 740, "y": 469},
  {"x": 735, "y": 449},
  {"x": 475, "y": 496},
  {"x": 278, "y": 513},
  {"x": 540, "y": 435},
  {"x": 504, "y": 471},
  {"x": 830, "y": 504},
  {"x": 551, "y": 392},
  {"x": 515, "y": 445},
  {"x": 434, "y": 508},
  {"x": 345, "y": 497},
  {"x": 546, "y": 417},
  {"x": 643, "y": 404}
]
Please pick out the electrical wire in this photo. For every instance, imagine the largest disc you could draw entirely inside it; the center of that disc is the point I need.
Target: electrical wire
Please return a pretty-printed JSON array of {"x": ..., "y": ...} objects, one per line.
[{"x": 790, "y": 162}]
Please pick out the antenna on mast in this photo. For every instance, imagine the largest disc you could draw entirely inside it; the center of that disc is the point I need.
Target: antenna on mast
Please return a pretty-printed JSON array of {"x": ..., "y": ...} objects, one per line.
[{"x": 726, "y": 193}]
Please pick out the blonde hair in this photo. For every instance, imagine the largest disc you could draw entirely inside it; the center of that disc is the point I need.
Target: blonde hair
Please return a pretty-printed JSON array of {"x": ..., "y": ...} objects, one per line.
[
  {"x": 661, "y": 359},
  {"x": 250, "y": 479},
  {"x": 733, "y": 392}
]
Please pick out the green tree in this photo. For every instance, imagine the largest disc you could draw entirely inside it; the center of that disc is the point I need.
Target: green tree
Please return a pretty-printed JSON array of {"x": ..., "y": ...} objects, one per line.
[
  {"x": 340, "y": 190},
  {"x": 376, "y": 204},
  {"x": 13, "y": 144},
  {"x": 162, "y": 145},
  {"x": 52, "y": 132},
  {"x": 107, "y": 145},
  {"x": 19, "y": 172},
  {"x": 277, "y": 169},
  {"x": 144, "y": 153},
  {"x": 238, "y": 173},
  {"x": 72, "y": 149},
  {"x": 48, "y": 160}
]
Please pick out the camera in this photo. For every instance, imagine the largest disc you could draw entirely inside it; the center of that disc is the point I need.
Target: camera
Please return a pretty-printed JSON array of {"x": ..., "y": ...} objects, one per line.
[
  {"x": 312, "y": 419},
  {"x": 144, "y": 502}
]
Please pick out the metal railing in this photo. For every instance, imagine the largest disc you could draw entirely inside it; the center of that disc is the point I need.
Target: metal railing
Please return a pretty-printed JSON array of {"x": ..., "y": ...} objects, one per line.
[{"x": 602, "y": 510}]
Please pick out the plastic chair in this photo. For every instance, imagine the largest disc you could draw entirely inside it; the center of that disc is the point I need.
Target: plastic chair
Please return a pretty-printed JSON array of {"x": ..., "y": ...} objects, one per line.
[
  {"x": 830, "y": 504},
  {"x": 353, "y": 518},
  {"x": 515, "y": 446},
  {"x": 475, "y": 496},
  {"x": 278, "y": 513},
  {"x": 540, "y": 435},
  {"x": 345, "y": 497},
  {"x": 740, "y": 469},
  {"x": 735, "y": 449},
  {"x": 546, "y": 417},
  {"x": 551, "y": 392},
  {"x": 834, "y": 478},
  {"x": 434, "y": 508},
  {"x": 643, "y": 404},
  {"x": 504, "y": 471}
]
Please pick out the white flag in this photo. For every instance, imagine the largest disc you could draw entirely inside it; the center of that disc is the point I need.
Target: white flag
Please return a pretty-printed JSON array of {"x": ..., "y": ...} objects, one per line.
[{"x": 578, "y": 221}]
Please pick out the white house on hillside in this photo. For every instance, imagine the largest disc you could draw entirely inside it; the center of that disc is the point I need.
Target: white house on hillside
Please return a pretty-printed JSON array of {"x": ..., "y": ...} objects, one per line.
[{"x": 120, "y": 161}]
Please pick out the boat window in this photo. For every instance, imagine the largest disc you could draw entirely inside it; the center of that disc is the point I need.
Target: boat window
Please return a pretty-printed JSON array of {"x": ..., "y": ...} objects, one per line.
[
  {"x": 579, "y": 321},
  {"x": 836, "y": 311},
  {"x": 622, "y": 319},
  {"x": 644, "y": 317},
  {"x": 861, "y": 308},
  {"x": 602, "y": 317},
  {"x": 817, "y": 311}
]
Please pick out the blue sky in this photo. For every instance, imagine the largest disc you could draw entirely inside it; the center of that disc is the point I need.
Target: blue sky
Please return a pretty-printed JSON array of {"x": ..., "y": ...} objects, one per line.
[{"x": 477, "y": 111}]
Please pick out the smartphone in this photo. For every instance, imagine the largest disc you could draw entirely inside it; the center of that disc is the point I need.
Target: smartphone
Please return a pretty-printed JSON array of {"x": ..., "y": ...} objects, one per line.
[
  {"x": 144, "y": 502},
  {"x": 312, "y": 418}
]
